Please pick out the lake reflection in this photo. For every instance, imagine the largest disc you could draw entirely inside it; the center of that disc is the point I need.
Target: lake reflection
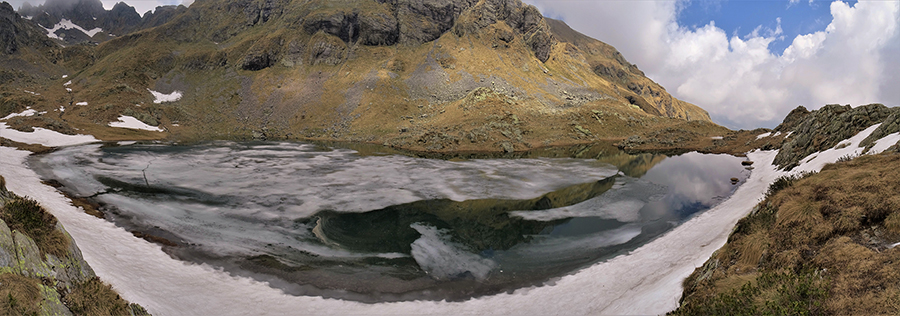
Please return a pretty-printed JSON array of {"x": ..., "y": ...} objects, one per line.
[{"x": 315, "y": 220}]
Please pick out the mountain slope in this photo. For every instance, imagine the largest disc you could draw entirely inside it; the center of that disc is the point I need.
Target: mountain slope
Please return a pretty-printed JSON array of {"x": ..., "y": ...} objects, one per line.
[{"x": 437, "y": 75}]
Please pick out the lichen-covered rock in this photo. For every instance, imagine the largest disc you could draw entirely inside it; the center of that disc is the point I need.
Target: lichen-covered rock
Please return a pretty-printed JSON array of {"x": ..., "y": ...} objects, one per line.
[
  {"x": 70, "y": 269},
  {"x": 51, "y": 303},
  {"x": 28, "y": 257},
  {"x": 7, "y": 247},
  {"x": 890, "y": 125}
]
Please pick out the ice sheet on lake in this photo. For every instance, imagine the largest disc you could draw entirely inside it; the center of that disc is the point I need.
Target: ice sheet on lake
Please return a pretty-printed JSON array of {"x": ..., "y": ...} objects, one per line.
[{"x": 444, "y": 259}]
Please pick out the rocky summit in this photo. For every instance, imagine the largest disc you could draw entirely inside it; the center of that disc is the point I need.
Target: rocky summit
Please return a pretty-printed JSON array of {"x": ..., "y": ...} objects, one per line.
[{"x": 430, "y": 75}]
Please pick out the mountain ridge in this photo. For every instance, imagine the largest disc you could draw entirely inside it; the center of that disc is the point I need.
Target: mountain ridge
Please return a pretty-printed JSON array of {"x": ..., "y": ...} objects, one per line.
[{"x": 430, "y": 75}]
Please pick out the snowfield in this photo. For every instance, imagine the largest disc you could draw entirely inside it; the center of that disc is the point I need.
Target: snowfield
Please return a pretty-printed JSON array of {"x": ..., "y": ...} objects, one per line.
[
  {"x": 644, "y": 281},
  {"x": 126, "y": 121},
  {"x": 162, "y": 97},
  {"x": 68, "y": 25}
]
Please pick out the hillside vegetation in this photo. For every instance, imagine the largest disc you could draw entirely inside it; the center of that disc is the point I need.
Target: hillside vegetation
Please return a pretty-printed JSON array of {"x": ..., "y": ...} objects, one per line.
[{"x": 822, "y": 244}]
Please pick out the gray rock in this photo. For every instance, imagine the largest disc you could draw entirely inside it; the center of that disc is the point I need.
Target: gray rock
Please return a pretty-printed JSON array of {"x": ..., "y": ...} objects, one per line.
[
  {"x": 51, "y": 302},
  {"x": 378, "y": 29},
  {"x": 71, "y": 269},
  {"x": 28, "y": 257},
  {"x": 7, "y": 247}
]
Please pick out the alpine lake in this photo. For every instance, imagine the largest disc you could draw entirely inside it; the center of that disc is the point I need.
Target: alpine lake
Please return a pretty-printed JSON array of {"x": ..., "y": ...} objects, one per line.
[{"x": 372, "y": 224}]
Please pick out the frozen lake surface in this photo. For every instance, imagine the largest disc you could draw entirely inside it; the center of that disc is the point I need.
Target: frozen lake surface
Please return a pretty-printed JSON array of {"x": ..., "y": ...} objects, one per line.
[{"x": 331, "y": 222}]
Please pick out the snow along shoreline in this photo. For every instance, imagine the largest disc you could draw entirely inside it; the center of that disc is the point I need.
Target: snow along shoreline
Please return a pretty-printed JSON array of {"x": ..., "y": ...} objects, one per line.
[{"x": 143, "y": 274}]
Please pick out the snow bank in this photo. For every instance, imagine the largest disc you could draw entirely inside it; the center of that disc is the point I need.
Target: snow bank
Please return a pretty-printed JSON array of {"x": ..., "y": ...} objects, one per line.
[
  {"x": 68, "y": 25},
  {"x": 644, "y": 281},
  {"x": 763, "y": 135},
  {"x": 44, "y": 137},
  {"x": 162, "y": 97},
  {"x": 126, "y": 121}
]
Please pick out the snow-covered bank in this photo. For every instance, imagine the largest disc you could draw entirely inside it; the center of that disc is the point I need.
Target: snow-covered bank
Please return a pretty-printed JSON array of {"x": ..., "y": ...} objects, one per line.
[
  {"x": 142, "y": 273},
  {"x": 126, "y": 121},
  {"x": 44, "y": 137}
]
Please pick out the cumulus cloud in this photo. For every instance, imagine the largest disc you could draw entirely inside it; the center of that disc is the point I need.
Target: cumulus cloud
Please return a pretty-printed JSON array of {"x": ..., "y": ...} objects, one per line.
[{"x": 737, "y": 78}]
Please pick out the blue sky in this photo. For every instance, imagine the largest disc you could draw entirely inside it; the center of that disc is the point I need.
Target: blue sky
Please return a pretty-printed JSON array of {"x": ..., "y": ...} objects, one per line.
[{"x": 743, "y": 17}]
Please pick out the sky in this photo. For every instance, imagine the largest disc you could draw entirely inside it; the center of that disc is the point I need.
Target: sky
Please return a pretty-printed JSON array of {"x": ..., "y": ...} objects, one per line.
[{"x": 747, "y": 62}]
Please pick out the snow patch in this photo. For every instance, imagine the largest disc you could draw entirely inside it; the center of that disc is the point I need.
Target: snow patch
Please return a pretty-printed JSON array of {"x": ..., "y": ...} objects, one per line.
[
  {"x": 162, "y": 97},
  {"x": 67, "y": 83},
  {"x": 44, "y": 137},
  {"x": 68, "y": 25},
  {"x": 69, "y": 89},
  {"x": 848, "y": 147},
  {"x": 763, "y": 135},
  {"x": 126, "y": 121},
  {"x": 82, "y": 103},
  {"x": 717, "y": 137},
  {"x": 28, "y": 112},
  {"x": 65, "y": 76},
  {"x": 884, "y": 143},
  {"x": 33, "y": 93}
]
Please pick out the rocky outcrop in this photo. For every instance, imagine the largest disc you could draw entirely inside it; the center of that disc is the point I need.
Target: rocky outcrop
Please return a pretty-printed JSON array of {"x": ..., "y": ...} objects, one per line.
[
  {"x": 16, "y": 32},
  {"x": 55, "y": 275},
  {"x": 824, "y": 128}
]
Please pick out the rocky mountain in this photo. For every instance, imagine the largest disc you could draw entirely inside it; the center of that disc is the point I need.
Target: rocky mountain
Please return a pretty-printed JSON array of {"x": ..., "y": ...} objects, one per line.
[
  {"x": 79, "y": 21},
  {"x": 431, "y": 75}
]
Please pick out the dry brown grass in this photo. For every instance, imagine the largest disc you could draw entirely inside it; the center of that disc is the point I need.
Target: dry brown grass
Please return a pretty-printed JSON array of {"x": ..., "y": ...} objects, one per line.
[
  {"x": 19, "y": 295},
  {"x": 95, "y": 298},
  {"x": 29, "y": 218},
  {"x": 826, "y": 233}
]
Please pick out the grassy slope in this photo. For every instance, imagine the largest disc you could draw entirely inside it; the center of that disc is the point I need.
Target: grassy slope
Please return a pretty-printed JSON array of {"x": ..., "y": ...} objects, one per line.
[{"x": 816, "y": 246}]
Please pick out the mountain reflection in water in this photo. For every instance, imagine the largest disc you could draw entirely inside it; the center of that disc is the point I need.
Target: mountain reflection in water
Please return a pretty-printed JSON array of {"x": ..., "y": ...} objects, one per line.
[{"x": 373, "y": 225}]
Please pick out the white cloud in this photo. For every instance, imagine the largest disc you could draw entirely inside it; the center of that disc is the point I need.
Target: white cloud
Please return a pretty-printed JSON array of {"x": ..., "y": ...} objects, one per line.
[{"x": 736, "y": 78}]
